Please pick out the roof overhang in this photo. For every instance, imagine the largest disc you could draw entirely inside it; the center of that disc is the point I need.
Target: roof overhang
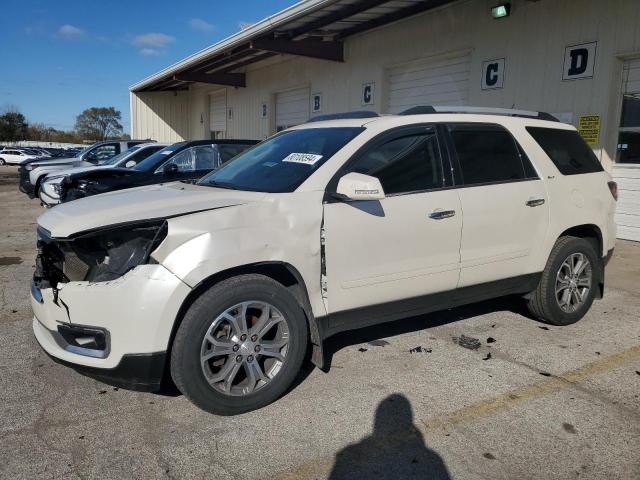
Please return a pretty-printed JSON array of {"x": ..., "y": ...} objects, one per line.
[{"x": 310, "y": 28}]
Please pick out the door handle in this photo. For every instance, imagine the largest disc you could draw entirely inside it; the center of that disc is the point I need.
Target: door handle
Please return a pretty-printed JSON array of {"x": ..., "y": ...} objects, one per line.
[
  {"x": 534, "y": 202},
  {"x": 440, "y": 214}
]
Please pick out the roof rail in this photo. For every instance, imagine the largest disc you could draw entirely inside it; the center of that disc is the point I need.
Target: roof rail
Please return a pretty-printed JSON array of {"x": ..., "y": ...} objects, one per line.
[
  {"x": 422, "y": 110},
  {"x": 343, "y": 115}
]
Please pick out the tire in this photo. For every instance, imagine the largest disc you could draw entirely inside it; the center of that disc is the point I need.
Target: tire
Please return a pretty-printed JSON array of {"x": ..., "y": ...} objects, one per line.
[
  {"x": 2, "y": 162},
  {"x": 545, "y": 304},
  {"x": 190, "y": 373}
]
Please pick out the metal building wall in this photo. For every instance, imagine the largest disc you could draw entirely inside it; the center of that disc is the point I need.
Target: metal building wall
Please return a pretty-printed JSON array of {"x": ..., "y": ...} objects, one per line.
[{"x": 532, "y": 41}]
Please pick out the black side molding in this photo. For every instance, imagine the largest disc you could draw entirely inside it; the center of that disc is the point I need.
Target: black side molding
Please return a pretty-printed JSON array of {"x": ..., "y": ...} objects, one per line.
[{"x": 401, "y": 309}]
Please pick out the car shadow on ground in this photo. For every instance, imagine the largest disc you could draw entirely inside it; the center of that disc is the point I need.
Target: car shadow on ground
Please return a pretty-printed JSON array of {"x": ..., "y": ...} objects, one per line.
[
  {"x": 395, "y": 449},
  {"x": 342, "y": 340}
]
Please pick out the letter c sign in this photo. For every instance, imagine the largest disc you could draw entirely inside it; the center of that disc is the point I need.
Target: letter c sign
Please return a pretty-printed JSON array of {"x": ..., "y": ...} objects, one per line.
[{"x": 493, "y": 74}]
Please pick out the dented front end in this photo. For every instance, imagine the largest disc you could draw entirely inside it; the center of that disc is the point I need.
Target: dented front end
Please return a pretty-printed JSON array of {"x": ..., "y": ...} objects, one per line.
[{"x": 103, "y": 305}]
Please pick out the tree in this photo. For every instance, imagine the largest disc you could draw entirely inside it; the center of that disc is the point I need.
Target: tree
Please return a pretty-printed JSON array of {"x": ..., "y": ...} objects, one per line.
[
  {"x": 13, "y": 125},
  {"x": 99, "y": 123}
]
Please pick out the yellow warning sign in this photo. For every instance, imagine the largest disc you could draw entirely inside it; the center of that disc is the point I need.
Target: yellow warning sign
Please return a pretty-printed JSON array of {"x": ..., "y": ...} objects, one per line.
[{"x": 589, "y": 128}]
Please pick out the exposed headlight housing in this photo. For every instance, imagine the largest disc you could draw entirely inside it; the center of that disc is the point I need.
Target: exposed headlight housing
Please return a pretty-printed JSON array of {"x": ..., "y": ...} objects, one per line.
[{"x": 98, "y": 256}]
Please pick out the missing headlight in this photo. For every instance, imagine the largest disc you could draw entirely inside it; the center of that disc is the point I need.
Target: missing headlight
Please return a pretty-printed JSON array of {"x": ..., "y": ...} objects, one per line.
[
  {"x": 98, "y": 256},
  {"x": 109, "y": 254}
]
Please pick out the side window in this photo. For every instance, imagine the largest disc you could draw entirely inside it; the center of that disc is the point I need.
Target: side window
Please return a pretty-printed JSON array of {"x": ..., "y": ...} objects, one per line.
[
  {"x": 205, "y": 158},
  {"x": 488, "y": 154},
  {"x": 103, "y": 152},
  {"x": 183, "y": 160},
  {"x": 567, "y": 150},
  {"x": 408, "y": 163}
]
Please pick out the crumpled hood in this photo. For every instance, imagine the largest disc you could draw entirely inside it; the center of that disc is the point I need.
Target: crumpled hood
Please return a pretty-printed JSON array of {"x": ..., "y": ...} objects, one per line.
[{"x": 143, "y": 203}]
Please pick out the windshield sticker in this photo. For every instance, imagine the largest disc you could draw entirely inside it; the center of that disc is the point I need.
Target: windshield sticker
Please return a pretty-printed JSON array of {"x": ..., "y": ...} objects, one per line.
[
  {"x": 270, "y": 164},
  {"x": 305, "y": 158},
  {"x": 166, "y": 152}
]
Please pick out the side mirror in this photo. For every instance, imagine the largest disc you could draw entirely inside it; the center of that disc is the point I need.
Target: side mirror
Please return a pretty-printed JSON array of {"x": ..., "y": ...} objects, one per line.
[
  {"x": 130, "y": 163},
  {"x": 357, "y": 186},
  {"x": 170, "y": 168}
]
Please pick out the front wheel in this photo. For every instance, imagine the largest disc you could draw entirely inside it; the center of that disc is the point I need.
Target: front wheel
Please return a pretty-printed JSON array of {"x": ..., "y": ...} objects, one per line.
[
  {"x": 2, "y": 162},
  {"x": 568, "y": 284},
  {"x": 240, "y": 345}
]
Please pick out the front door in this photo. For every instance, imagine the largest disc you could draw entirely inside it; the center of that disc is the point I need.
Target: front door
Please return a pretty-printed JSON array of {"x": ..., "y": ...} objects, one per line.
[{"x": 403, "y": 246}]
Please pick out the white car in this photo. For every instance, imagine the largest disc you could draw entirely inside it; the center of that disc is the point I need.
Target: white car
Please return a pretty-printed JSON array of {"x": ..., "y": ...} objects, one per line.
[
  {"x": 49, "y": 191},
  {"x": 10, "y": 156},
  {"x": 325, "y": 227}
]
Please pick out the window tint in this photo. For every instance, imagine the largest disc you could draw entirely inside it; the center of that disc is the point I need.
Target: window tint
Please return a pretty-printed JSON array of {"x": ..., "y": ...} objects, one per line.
[
  {"x": 567, "y": 150},
  {"x": 487, "y": 154},
  {"x": 406, "y": 164}
]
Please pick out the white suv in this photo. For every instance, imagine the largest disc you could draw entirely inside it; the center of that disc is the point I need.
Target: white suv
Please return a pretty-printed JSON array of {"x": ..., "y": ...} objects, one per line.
[{"x": 328, "y": 226}]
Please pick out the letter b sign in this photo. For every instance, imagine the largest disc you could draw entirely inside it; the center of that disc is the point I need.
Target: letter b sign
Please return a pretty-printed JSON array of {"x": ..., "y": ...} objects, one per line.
[{"x": 579, "y": 61}]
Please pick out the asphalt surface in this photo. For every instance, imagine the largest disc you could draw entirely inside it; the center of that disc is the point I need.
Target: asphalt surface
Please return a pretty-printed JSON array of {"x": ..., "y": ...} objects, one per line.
[{"x": 403, "y": 400}]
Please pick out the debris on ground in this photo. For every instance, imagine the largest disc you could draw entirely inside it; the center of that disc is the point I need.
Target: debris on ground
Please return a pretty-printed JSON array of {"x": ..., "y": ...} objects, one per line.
[
  {"x": 638, "y": 372},
  {"x": 487, "y": 356},
  {"x": 543, "y": 327},
  {"x": 362, "y": 349},
  {"x": 567, "y": 427},
  {"x": 378, "y": 343},
  {"x": 467, "y": 342},
  {"x": 493, "y": 326},
  {"x": 420, "y": 349},
  {"x": 545, "y": 374},
  {"x": 102, "y": 392},
  {"x": 489, "y": 456},
  {"x": 491, "y": 340}
]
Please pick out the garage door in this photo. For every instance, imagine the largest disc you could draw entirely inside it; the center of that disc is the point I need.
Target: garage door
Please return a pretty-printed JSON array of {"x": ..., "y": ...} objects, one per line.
[
  {"x": 218, "y": 114},
  {"x": 441, "y": 82},
  {"x": 627, "y": 169},
  {"x": 292, "y": 108}
]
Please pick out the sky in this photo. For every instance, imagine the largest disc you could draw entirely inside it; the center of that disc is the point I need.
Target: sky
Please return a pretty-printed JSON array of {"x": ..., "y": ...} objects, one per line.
[{"x": 58, "y": 57}]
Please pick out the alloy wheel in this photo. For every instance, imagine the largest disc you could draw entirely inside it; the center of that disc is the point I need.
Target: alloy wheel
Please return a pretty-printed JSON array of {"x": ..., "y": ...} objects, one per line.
[
  {"x": 244, "y": 348},
  {"x": 573, "y": 282}
]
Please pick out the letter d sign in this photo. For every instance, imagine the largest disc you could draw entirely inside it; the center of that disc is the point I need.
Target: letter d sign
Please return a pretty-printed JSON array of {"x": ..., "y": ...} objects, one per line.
[{"x": 579, "y": 61}]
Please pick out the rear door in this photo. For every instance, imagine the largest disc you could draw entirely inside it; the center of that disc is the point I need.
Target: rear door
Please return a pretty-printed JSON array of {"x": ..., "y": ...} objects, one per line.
[
  {"x": 504, "y": 203},
  {"x": 405, "y": 245}
]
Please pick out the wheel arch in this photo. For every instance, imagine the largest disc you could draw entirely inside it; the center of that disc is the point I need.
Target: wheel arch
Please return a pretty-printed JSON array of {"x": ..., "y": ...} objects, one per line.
[
  {"x": 282, "y": 272},
  {"x": 587, "y": 231}
]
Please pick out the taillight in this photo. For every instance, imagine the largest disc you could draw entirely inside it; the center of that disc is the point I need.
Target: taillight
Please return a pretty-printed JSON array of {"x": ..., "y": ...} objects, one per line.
[{"x": 613, "y": 188}]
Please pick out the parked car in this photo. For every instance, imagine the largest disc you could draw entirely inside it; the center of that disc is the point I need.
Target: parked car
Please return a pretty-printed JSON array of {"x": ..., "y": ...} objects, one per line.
[
  {"x": 180, "y": 161},
  {"x": 10, "y": 156},
  {"x": 325, "y": 227},
  {"x": 33, "y": 172},
  {"x": 54, "y": 183}
]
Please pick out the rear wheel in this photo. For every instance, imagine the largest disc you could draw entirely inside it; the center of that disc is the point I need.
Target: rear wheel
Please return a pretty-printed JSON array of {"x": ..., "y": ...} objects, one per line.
[
  {"x": 568, "y": 284},
  {"x": 240, "y": 345},
  {"x": 2, "y": 162}
]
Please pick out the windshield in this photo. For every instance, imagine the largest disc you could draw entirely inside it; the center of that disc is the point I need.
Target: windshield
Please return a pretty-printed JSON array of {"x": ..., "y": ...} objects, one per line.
[
  {"x": 283, "y": 162},
  {"x": 120, "y": 156},
  {"x": 151, "y": 162}
]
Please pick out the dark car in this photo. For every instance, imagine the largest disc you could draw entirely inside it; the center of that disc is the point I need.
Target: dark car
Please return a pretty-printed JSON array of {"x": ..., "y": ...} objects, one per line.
[{"x": 180, "y": 161}]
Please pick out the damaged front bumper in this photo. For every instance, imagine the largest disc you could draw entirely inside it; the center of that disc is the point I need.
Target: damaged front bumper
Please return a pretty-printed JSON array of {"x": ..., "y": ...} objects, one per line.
[{"x": 116, "y": 331}]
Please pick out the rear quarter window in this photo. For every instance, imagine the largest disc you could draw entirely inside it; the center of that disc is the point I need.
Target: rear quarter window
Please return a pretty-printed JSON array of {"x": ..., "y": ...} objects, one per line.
[{"x": 567, "y": 150}]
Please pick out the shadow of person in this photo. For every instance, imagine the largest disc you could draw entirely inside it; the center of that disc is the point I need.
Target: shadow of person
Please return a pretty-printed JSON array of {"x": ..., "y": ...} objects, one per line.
[{"x": 395, "y": 450}]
